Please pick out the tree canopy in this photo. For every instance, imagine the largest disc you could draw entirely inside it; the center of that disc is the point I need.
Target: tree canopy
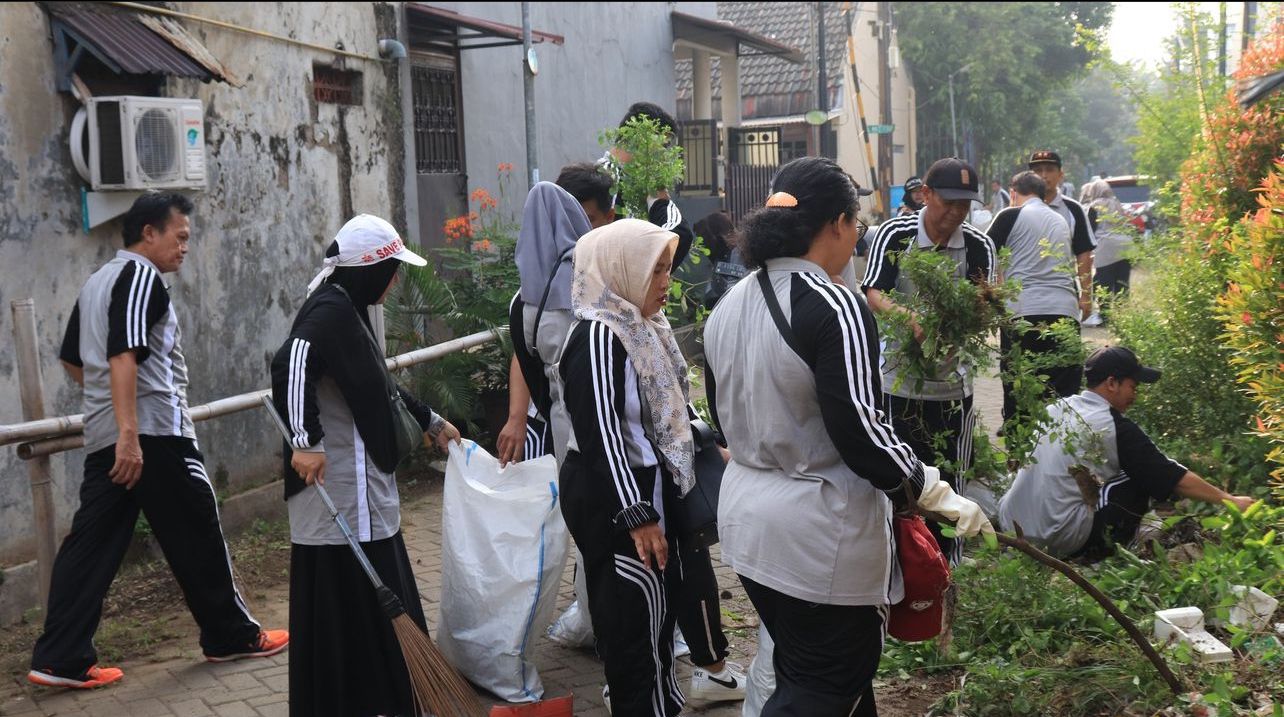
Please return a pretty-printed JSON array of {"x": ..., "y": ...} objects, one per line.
[{"x": 1018, "y": 56}]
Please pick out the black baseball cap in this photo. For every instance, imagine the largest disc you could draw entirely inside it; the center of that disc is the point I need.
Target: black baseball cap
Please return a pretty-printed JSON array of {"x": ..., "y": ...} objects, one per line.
[
  {"x": 952, "y": 178},
  {"x": 912, "y": 183},
  {"x": 1044, "y": 156},
  {"x": 1117, "y": 362}
]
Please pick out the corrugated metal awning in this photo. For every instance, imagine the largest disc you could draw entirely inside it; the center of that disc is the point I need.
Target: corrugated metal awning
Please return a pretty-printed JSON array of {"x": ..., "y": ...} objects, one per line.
[
  {"x": 494, "y": 34},
  {"x": 128, "y": 43}
]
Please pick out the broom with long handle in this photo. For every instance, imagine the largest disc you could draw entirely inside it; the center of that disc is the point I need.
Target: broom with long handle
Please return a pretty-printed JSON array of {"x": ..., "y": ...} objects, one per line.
[{"x": 437, "y": 687}]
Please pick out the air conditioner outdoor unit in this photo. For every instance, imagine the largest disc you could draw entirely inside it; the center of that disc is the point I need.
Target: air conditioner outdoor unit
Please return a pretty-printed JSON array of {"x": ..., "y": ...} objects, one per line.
[{"x": 138, "y": 143}]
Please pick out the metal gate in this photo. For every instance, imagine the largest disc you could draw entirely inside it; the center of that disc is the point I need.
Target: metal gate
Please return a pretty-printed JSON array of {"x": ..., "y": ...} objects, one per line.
[
  {"x": 699, "y": 140},
  {"x": 753, "y": 156}
]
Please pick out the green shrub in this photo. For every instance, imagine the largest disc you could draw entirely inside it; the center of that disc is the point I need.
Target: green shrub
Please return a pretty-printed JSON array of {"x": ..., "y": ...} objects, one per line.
[
  {"x": 1252, "y": 313},
  {"x": 1196, "y": 412},
  {"x": 1030, "y": 642}
]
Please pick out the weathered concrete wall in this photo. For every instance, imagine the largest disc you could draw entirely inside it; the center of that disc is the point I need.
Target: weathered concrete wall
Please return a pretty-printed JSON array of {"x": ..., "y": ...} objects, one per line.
[
  {"x": 615, "y": 54},
  {"x": 284, "y": 173}
]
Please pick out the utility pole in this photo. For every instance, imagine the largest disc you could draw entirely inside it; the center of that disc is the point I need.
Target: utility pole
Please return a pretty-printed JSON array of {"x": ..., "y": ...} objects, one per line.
[
  {"x": 954, "y": 130},
  {"x": 1221, "y": 33},
  {"x": 528, "y": 90},
  {"x": 1248, "y": 26},
  {"x": 885, "y": 102},
  {"x": 822, "y": 81}
]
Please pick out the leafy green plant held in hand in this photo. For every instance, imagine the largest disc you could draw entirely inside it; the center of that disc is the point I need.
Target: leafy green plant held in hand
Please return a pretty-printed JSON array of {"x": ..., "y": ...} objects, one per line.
[
  {"x": 643, "y": 162},
  {"x": 645, "y": 165},
  {"x": 957, "y": 319},
  {"x": 954, "y": 315}
]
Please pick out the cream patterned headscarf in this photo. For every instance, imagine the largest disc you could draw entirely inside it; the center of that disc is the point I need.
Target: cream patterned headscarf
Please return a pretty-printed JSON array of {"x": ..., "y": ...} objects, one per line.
[{"x": 613, "y": 268}]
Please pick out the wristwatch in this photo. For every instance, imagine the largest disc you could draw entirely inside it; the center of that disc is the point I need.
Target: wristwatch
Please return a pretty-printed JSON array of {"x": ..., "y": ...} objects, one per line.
[{"x": 435, "y": 425}]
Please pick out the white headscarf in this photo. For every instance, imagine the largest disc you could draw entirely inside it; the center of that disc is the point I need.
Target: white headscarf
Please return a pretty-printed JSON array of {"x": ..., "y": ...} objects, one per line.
[
  {"x": 1099, "y": 193},
  {"x": 613, "y": 272}
]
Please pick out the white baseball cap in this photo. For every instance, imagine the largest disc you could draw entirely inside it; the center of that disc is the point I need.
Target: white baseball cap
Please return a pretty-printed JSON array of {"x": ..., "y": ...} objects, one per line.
[{"x": 365, "y": 240}]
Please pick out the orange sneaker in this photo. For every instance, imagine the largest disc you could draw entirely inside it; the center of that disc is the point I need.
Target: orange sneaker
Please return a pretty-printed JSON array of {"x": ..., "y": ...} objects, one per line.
[
  {"x": 93, "y": 677},
  {"x": 268, "y": 643}
]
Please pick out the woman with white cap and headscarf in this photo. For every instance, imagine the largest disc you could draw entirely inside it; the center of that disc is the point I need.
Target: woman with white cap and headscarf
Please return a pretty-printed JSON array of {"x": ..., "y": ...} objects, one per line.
[
  {"x": 629, "y": 456},
  {"x": 344, "y": 411}
]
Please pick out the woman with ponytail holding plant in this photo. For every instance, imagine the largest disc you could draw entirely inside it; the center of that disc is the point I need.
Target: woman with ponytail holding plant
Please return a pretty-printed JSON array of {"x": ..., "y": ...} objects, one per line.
[{"x": 807, "y": 501}]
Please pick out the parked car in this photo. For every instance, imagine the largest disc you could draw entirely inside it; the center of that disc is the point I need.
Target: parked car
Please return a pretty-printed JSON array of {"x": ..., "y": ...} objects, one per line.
[{"x": 1133, "y": 192}]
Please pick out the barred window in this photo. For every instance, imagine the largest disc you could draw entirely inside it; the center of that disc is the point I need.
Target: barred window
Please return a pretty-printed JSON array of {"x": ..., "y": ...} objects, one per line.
[{"x": 437, "y": 140}]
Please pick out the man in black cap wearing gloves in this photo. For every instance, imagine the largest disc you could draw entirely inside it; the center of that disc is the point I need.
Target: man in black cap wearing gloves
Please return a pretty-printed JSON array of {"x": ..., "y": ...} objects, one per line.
[
  {"x": 1047, "y": 164},
  {"x": 924, "y": 408},
  {"x": 1083, "y": 517}
]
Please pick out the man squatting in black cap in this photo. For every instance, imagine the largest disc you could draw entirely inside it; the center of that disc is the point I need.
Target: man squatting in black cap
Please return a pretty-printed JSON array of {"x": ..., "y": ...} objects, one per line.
[{"x": 1060, "y": 514}]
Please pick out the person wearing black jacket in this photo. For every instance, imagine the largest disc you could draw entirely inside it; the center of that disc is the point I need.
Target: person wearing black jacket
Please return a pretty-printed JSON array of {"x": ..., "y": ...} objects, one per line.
[
  {"x": 629, "y": 459},
  {"x": 331, "y": 387},
  {"x": 806, "y": 506}
]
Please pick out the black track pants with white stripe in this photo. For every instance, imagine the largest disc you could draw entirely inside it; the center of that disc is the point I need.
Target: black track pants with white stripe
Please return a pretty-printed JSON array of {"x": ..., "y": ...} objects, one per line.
[
  {"x": 938, "y": 430},
  {"x": 176, "y": 496},
  {"x": 825, "y": 655},
  {"x": 630, "y": 605}
]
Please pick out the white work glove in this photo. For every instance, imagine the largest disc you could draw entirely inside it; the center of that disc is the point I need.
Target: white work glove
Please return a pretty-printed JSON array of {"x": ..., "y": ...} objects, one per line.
[{"x": 938, "y": 497}]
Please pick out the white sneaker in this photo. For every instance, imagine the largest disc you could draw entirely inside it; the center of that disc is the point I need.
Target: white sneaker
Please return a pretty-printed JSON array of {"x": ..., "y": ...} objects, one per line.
[
  {"x": 724, "y": 686},
  {"x": 1094, "y": 320},
  {"x": 606, "y": 697},
  {"x": 680, "y": 646}
]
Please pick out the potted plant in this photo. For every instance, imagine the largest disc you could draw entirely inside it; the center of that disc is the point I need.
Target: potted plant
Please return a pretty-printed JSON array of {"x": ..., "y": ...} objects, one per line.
[{"x": 645, "y": 164}]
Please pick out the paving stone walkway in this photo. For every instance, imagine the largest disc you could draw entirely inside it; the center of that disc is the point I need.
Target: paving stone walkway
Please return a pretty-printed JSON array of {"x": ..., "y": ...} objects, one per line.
[{"x": 176, "y": 683}]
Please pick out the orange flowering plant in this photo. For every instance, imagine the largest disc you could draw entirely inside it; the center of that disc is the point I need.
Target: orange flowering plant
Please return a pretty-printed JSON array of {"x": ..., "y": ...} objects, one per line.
[{"x": 465, "y": 290}]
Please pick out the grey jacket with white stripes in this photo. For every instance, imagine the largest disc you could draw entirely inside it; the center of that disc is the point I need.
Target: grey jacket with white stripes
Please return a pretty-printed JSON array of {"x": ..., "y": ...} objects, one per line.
[
  {"x": 807, "y": 499},
  {"x": 330, "y": 387},
  {"x": 124, "y": 306}
]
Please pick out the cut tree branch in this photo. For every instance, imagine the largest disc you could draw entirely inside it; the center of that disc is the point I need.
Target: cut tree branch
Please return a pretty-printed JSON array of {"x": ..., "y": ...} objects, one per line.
[{"x": 1019, "y": 543}]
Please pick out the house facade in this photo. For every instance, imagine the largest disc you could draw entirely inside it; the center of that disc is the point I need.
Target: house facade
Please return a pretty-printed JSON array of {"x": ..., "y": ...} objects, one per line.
[
  {"x": 778, "y": 91},
  {"x": 307, "y": 118}
]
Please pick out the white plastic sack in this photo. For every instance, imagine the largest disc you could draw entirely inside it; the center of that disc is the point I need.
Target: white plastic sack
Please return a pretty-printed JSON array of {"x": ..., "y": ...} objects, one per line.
[
  {"x": 575, "y": 628},
  {"x": 503, "y": 550},
  {"x": 762, "y": 675}
]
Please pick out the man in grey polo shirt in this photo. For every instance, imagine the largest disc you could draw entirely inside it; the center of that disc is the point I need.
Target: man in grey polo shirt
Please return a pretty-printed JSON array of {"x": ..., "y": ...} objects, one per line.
[
  {"x": 122, "y": 345},
  {"x": 1090, "y": 431},
  {"x": 1047, "y": 164},
  {"x": 925, "y": 408},
  {"x": 1043, "y": 261}
]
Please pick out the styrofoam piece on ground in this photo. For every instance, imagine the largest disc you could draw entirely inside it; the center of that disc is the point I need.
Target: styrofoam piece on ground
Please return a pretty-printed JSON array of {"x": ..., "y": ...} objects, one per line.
[
  {"x": 1254, "y": 609},
  {"x": 1186, "y": 624},
  {"x": 1186, "y": 618},
  {"x": 1210, "y": 649}
]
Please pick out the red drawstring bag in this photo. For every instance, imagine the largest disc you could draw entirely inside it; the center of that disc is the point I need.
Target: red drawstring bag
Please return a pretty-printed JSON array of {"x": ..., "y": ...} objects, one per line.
[{"x": 926, "y": 574}]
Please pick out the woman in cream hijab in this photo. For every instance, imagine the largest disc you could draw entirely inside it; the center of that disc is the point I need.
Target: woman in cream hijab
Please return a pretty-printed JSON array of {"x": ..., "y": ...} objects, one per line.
[{"x": 630, "y": 456}]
